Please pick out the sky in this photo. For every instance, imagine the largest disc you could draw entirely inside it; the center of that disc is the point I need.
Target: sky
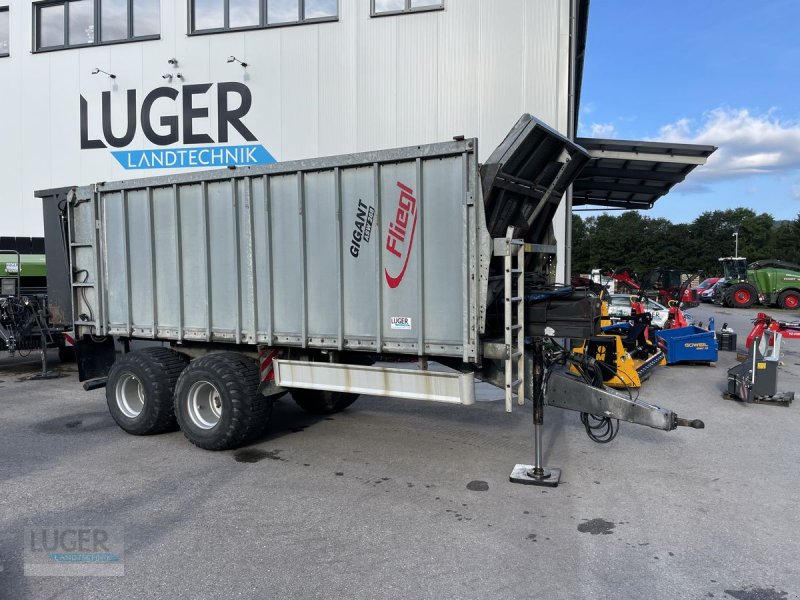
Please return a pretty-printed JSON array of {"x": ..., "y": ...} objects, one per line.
[{"x": 724, "y": 73}]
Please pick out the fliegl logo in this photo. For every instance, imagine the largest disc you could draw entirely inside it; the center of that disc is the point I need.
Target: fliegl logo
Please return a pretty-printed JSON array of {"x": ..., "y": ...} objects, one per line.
[
  {"x": 168, "y": 116},
  {"x": 400, "y": 239}
]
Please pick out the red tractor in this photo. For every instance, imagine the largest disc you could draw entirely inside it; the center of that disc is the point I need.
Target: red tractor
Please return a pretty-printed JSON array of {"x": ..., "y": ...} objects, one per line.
[{"x": 668, "y": 285}]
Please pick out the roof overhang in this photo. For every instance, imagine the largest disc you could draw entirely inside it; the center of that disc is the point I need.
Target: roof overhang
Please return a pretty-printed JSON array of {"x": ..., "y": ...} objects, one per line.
[{"x": 625, "y": 174}]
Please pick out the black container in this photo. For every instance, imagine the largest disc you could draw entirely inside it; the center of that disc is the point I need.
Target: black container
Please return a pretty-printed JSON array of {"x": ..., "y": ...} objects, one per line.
[{"x": 727, "y": 341}]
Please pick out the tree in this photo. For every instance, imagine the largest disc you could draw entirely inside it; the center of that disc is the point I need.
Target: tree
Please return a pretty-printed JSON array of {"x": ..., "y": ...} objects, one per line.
[
  {"x": 580, "y": 246},
  {"x": 633, "y": 240}
]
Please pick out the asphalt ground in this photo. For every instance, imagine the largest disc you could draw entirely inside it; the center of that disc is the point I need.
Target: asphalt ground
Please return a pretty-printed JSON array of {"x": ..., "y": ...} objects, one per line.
[{"x": 405, "y": 499}]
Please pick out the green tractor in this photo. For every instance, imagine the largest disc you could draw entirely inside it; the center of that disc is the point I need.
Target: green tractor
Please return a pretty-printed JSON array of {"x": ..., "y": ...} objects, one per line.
[{"x": 767, "y": 281}]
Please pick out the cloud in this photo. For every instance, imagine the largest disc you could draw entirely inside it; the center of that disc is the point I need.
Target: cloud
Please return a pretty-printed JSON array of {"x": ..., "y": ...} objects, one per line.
[
  {"x": 749, "y": 144},
  {"x": 602, "y": 130},
  {"x": 796, "y": 191}
]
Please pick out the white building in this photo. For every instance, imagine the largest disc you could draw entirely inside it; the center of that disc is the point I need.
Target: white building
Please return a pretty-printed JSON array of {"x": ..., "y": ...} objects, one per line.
[{"x": 100, "y": 90}]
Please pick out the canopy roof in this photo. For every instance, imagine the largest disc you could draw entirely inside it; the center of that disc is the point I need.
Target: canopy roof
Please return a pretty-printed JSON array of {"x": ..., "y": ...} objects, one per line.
[{"x": 629, "y": 174}]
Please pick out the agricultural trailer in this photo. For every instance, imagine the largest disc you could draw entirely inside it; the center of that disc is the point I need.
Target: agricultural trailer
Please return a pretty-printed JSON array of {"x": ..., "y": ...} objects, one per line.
[{"x": 308, "y": 276}]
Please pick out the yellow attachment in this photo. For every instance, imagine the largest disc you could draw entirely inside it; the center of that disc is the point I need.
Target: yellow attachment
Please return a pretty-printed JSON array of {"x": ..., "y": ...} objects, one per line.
[{"x": 627, "y": 369}]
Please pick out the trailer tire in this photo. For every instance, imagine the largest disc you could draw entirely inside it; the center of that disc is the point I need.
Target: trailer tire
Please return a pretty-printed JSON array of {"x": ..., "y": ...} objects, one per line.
[
  {"x": 140, "y": 388},
  {"x": 217, "y": 403},
  {"x": 789, "y": 299},
  {"x": 742, "y": 295}
]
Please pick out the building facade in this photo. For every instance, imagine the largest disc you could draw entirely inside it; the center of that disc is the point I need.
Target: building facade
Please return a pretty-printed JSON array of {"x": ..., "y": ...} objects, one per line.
[{"x": 101, "y": 90}]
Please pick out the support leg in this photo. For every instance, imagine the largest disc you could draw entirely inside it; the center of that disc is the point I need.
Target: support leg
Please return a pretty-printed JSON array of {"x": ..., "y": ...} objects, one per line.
[
  {"x": 537, "y": 473},
  {"x": 46, "y": 372}
]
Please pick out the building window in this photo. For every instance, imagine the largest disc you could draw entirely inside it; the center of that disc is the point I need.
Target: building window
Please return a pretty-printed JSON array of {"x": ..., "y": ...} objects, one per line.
[
  {"x": 78, "y": 23},
  {"x": 397, "y": 7},
  {"x": 4, "y": 31},
  {"x": 208, "y": 16}
]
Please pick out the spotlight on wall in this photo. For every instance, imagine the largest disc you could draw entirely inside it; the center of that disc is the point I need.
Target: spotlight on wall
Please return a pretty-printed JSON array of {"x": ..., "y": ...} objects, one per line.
[
  {"x": 95, "y": 71},
  {"x": 173, "y": 62},
  {"x": 167, "y": 76},
  {"x": 234, "y": 59}
]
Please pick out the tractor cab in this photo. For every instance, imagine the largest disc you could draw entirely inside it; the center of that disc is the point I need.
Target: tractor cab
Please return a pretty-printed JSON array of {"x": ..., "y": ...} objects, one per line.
[{"x": 734, "y": 267}]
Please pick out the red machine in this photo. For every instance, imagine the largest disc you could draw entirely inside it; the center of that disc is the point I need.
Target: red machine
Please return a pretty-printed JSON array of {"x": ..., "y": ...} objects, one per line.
[
  {"x": 763, "y": 322},
  {"x": 676, "y": 317}
]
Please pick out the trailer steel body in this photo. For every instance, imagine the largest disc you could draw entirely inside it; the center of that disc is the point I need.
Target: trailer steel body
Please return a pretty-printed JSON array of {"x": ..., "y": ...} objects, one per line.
[{"x": 323, "y": 266}]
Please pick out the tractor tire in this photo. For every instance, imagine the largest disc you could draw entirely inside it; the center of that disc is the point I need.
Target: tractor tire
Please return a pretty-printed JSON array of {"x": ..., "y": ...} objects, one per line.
[
  {"x": 725, "y": 298},
  {"x": 789, "y": 299},
  {"x": 140, "y": 388},
  {"x": 217, "y": 403},
  {"x": 742, "y": 295},
  {"x": 318, "y": 402}
]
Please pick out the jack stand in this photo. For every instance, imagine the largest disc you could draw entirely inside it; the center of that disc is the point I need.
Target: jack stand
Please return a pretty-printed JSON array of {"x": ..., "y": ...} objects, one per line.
[
  {"x": 536, "y": 474},
  {"x": 46, "y": 373}
]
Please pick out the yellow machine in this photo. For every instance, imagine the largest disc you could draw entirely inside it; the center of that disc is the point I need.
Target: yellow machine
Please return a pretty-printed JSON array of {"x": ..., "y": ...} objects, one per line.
[{"x": 623, "y": 353}]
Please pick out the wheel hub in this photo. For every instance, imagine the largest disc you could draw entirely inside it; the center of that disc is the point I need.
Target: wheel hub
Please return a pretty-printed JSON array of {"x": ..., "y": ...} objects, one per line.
[
  {"x": 204, "y": 405},
  {"x": 130, "y": 395}
]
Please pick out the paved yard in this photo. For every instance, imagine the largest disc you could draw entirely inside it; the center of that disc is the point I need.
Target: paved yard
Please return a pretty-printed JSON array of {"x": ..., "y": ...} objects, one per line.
[{"x": 402, "y": 499}]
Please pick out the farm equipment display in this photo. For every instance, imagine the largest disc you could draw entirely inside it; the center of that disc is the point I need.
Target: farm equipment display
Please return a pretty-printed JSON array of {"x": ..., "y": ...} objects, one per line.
[
  {"x": 689, "y": 344},
  {"x": 624, "y": 352},
  {"x": 763, "y": 322},
  {"x": 23, "y": 268},
  {"x": 24, "y": 326},
  {"x": 771, "y": 282},
  {"x": 662, "y": 284},
  {"x": 756, "y": 379},
  {"x": 617, "y": 281},
  {"x": 24, "y": 312},
  {"x": 669, "y": 284}
]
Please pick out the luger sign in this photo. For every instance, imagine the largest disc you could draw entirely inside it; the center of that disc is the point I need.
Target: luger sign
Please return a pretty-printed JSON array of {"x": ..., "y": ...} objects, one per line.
[{"x": 233, "y": 102}]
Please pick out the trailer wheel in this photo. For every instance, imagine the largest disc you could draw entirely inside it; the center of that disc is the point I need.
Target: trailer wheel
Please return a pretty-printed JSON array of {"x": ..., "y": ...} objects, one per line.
[
  {"x": 217, "y": 403},
  {"x": 790, "y": 299},
  {"x": 320, "y": 402},
  {"x": 742, "y": 295},
  {"x": 140, "y": 388}
]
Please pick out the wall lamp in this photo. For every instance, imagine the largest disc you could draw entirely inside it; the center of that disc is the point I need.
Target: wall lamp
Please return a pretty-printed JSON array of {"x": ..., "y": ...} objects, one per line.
[
  {"x": 95, "y": 71},
  {"x": 169, "y": 76},
  {"x": 173, "y": 62},
  {"x": 234, "y": 59}
]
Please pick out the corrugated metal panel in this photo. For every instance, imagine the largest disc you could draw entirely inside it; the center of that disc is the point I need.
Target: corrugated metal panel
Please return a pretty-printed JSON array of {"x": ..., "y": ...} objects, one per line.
[
  {"x": 540, "y": 68},
  {"x": 338, "y": 82},
  {"x": 99, "y": 161},
  {"x": 267, "y": 254},
  {"x": 299, "y": 89},
  {"x": 266, "y": 116},
  {"x": 36, "y": 137},
  {"x": 501, "y": 55},
  {"x": 417, "y": 80},
  {"x": 62, "y": 78},
  {"x": 377, "y": 83},
  {"x": 459, "y": 70}
]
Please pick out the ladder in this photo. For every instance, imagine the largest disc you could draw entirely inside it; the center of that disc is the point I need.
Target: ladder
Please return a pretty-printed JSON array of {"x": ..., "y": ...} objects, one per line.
[{"x": 514, "y": 317}]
